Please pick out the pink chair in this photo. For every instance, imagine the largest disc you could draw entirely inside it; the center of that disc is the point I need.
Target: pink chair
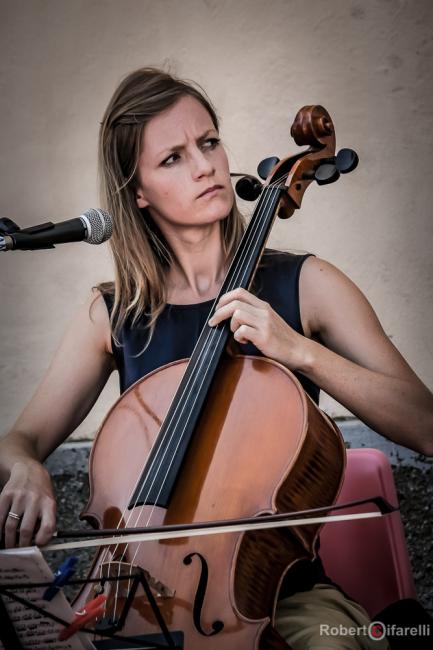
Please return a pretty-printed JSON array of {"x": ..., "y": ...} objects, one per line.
[{"x": 368, "y": 558}]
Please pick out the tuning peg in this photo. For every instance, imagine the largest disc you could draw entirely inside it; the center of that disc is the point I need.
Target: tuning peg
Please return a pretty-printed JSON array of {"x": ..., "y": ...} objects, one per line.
[
  {"x": 265, "y": 166},
  {"x": 248, "y": 188},
  {"x": 326, "y": 173},
  {"x": 346, "y": 160}
]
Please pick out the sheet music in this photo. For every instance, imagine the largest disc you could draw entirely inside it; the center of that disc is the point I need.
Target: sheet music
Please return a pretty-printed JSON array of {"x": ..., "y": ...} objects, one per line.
[{"x": 22, "y": 565}]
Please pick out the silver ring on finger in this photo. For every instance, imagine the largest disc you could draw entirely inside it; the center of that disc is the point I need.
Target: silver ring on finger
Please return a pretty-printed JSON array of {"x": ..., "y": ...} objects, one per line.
[{"x": 14, "y": 515}]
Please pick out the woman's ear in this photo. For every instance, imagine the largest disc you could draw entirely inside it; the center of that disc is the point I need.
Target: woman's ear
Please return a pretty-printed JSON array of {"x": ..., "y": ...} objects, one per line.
[{"x": 140, "y": 198}]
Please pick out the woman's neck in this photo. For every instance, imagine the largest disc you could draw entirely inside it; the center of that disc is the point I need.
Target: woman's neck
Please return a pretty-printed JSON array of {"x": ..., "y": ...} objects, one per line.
[{"x": 201, "y": 265}]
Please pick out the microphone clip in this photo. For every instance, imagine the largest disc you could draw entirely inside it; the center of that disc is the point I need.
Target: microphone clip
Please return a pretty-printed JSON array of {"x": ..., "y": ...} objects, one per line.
[{"x": 7, "y": 226}]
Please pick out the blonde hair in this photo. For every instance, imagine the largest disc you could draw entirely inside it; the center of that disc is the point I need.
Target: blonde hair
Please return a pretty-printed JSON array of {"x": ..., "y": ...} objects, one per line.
[{"x": 141, "y": 254}]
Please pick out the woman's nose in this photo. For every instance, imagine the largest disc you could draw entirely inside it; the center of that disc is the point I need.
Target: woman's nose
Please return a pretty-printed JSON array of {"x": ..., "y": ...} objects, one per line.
[{"x": 201, "y": 165}]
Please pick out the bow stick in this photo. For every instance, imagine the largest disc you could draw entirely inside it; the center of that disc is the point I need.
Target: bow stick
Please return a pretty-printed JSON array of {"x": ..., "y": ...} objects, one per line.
[{"x": 108, "y": 536}]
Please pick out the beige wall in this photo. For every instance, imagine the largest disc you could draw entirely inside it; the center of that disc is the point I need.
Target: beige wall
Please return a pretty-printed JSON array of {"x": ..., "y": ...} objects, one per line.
[{"x": 369, "y": 63}]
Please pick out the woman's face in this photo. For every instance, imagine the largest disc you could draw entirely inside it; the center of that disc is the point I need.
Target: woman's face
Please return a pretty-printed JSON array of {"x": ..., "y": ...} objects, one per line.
[{"x": 181, "y": 159}]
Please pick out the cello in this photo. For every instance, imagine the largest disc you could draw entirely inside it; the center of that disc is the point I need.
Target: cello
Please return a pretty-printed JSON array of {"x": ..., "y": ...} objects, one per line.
[{"x": 221, "y": 436}]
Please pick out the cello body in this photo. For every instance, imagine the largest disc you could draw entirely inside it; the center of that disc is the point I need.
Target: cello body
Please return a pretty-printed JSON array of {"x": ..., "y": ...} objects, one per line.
[{"x": 262, "y": 446}]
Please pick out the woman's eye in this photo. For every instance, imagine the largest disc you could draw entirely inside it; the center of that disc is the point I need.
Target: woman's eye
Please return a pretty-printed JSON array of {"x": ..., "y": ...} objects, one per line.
[
  {"x": 211, "y": 143},
  {"x": 170, "y": 160},
  {"x": 207, "y": 145}
]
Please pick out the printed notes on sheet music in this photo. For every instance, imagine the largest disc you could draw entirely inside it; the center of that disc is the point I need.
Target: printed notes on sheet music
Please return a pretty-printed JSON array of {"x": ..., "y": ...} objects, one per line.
[{"x": 35, "y": 631}]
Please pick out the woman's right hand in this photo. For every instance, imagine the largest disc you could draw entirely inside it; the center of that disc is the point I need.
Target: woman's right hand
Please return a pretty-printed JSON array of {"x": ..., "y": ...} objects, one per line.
[{"x": 29, "y": 494}]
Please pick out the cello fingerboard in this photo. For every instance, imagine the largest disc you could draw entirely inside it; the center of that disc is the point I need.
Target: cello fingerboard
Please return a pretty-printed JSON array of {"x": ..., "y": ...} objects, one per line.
[{"x": 168, "y": 453}]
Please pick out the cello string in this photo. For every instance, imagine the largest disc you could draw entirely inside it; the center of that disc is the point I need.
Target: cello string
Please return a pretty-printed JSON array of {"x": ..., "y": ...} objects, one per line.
[
  {"x": 211, "y": 334},
  {"x": 235, "y": 280}
]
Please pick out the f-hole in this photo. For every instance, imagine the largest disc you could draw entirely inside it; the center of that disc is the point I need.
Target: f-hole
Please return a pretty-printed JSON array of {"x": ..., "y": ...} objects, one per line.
[{"x": 217, "y": 626}]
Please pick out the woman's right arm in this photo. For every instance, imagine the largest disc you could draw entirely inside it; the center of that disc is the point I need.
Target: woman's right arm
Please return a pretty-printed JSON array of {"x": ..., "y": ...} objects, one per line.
[{"x": 77, "y": 374}]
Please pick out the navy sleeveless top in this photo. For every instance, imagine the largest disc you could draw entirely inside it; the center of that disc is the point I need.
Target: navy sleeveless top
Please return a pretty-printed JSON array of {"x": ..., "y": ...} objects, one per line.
[
  {"x": 176, "y": 332},
  {"x": 178, "y": 326}
]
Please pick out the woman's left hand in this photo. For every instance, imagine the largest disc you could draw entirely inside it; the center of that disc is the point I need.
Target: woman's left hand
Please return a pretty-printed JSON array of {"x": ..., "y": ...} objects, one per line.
[{"x": 253, "y": 320}]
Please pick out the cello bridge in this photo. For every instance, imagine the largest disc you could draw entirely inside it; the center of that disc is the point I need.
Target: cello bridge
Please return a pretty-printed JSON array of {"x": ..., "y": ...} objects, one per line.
[{"x": 128, "y": 572}]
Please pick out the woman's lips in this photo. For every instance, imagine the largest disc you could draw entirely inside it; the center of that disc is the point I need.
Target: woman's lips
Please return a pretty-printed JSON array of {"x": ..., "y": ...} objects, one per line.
[{"x": 211, "y": 190}]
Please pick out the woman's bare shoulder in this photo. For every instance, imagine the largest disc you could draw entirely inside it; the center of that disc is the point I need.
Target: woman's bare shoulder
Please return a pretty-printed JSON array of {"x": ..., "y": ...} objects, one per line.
[
  {"x": 325, "y": 293},
  {"x": 73, "y": 380},
  {"x": 339, "y": 315},
  {"x": 92, "y": 319}
]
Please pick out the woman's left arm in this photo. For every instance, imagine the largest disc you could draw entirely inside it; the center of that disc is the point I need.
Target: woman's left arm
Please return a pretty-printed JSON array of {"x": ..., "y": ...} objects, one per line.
[
  {"x": 354, "y": 361},
  {"x": 344, "y": 351}
]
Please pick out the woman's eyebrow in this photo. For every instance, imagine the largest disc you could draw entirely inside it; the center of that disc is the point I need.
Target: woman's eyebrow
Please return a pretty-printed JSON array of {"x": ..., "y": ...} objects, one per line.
[{"x": 180, "y": 147}]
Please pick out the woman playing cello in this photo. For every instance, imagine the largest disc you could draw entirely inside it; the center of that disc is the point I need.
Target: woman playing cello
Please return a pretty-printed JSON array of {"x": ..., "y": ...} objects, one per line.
[{"x": 166, "y": 181}]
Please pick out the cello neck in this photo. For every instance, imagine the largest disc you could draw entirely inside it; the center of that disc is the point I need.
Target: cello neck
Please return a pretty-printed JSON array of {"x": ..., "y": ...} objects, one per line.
[
  {"x": 247, "y": 257},
  {"x": 166, "y": 458}
]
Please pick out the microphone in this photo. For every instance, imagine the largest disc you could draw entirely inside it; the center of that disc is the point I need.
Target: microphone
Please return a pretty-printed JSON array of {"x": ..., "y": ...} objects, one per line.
[{"x": 93, "y": 227}]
